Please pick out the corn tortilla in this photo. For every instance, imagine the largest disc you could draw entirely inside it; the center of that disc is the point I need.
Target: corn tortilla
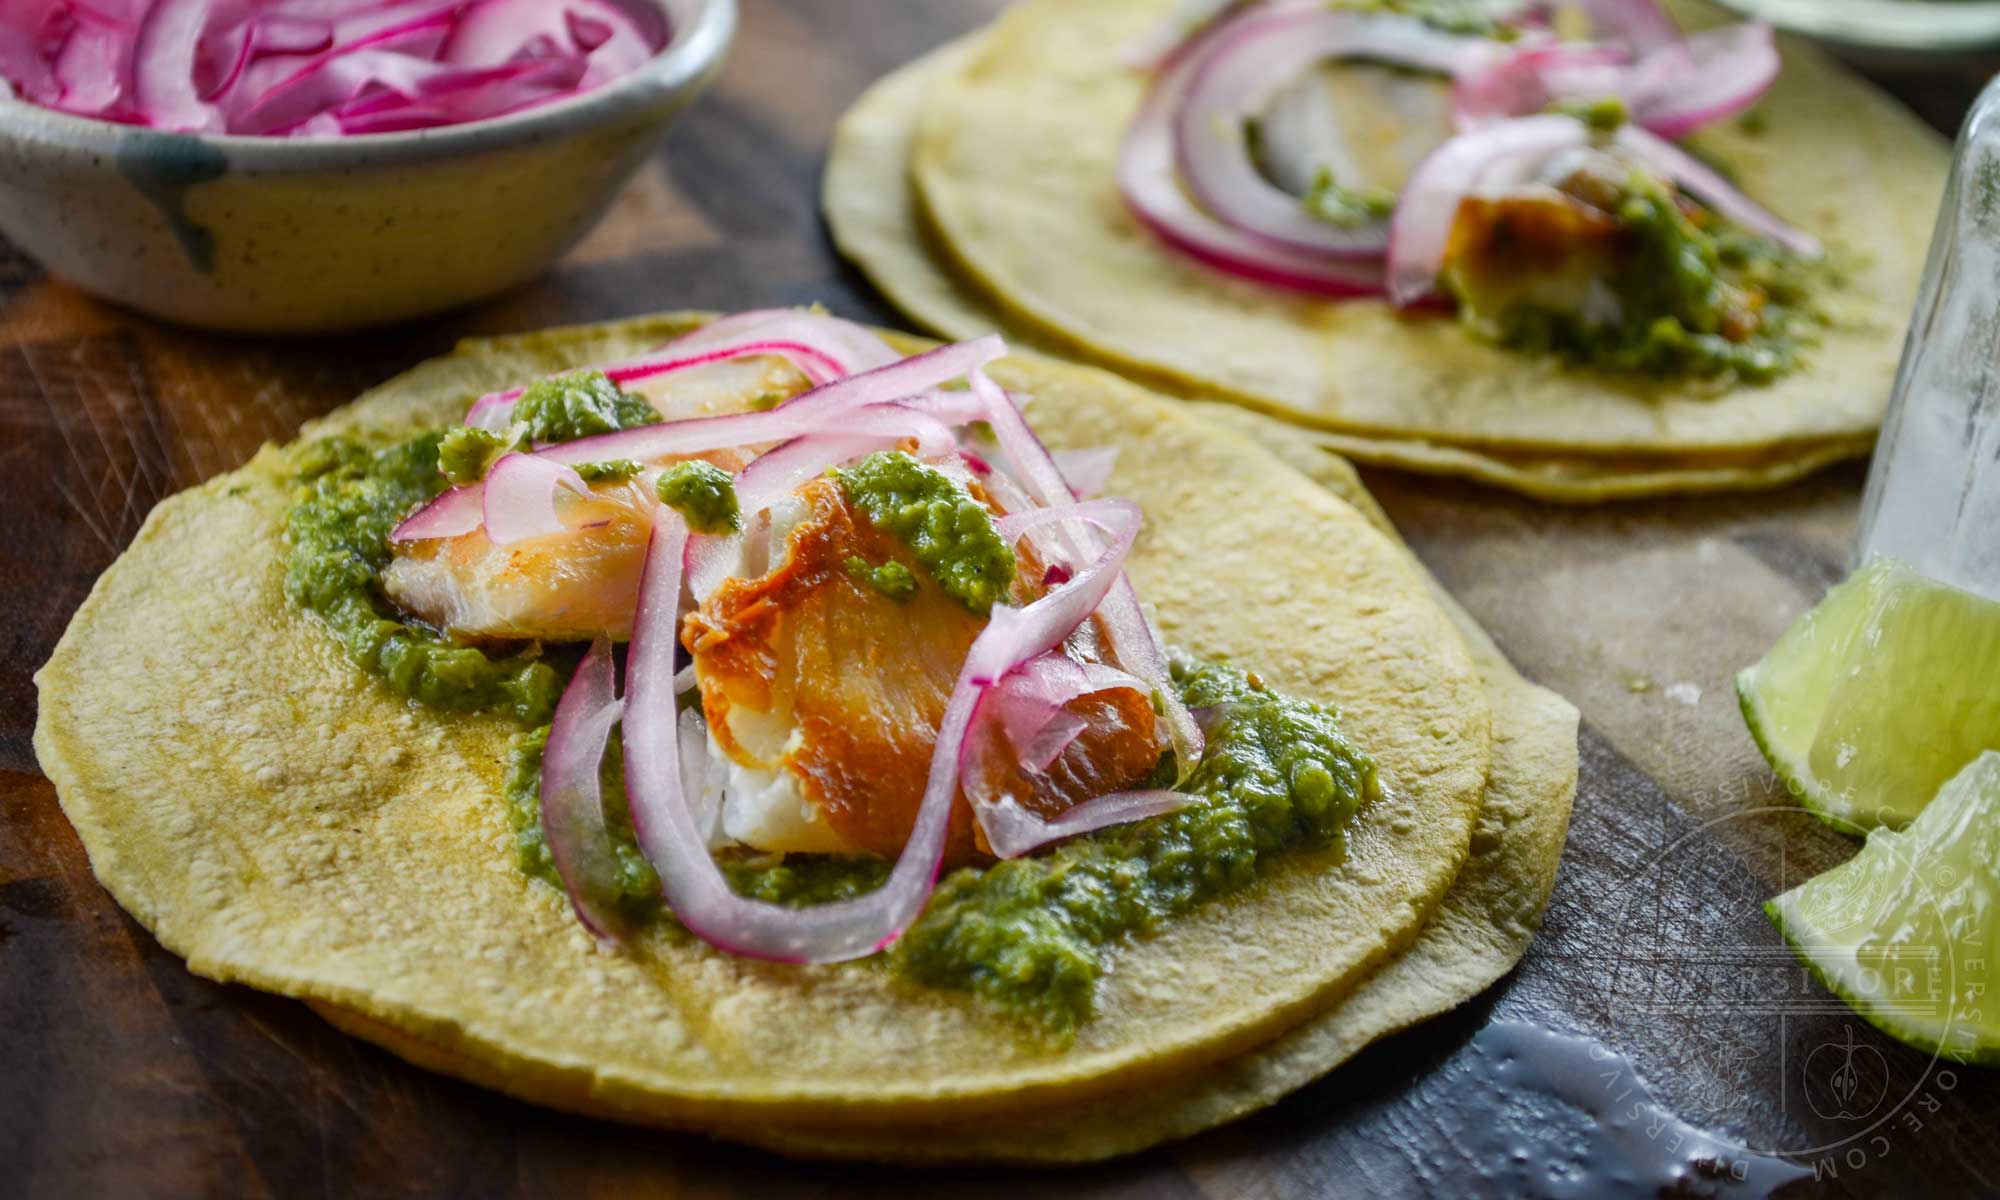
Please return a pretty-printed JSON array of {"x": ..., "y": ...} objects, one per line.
[
  {"x": 1479, "y": 932},
  {"x": 279, "y": 819}
]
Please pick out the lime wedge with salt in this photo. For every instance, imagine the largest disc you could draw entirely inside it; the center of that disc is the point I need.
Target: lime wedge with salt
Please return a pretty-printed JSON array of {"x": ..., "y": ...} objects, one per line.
[
  {"x": 1906, "y": 930},
  {"x": 1875, "y": 698}
]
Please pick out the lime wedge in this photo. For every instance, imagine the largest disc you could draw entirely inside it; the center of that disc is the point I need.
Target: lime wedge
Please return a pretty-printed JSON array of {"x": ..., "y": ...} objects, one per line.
[
  {"x": 1875, "y": 698},
  {"x": 1906, "y": 930}
]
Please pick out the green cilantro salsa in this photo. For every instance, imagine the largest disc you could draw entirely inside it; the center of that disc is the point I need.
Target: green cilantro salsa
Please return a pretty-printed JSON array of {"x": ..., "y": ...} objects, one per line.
[
  {"x": 1685, "y": 293},
  {"x": 892, "y": 579},
  {"x": 1603, "y": 114},
  {"x": 703, "y": 493},
  {"x": 1346, "y": 207},
  {"x": 579, "y": 405},
  {"x": 951, "y": 534},
  {"x": 466, "y": 453},
  {"x": 611, "y": 470},
  {"x": 1278, "y": 774},
  {"x": 1472, "y": 17},
  {"x": 1031, "y": 934},
  {"x": 560, "y": 409}
]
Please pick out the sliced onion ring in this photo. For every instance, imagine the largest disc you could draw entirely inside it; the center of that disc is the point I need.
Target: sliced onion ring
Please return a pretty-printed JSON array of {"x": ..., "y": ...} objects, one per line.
[
  {"x": 1421, "y": 231},
  {"x": 1150, "y": 184},
  {"x": 518, "y": 501},
  {"x": 1087, "y": 471},
  {"x": 1015, "y": 636},
  {"x": 857, "y": 347},
  {"x": 824, "y": 348},
  {"x": 1681, "y": 87},
  {"x": 1704, "y": 184},
  {"x": 1526, "y": 83},
  {"x": 328, "y": 81},
  {"x": 772, "y": 476},
  {"x": 1028, "y": 703},
  {"x": 1012, "y": 830},
  {"x": 1234, "y": 79},
  {"x": 1639, "y": 24},
  {"x": 811, "y": 412},
  {"x": 163, "y": 59},
  {"x": 1672, "y": 89},
  {"x": 572, "y": 801}
]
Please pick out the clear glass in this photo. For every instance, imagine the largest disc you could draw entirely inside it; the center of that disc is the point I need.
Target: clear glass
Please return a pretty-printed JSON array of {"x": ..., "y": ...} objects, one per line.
[
  {"x": 1933, "y": 496},
  {"x": 1889, "y": 24}
]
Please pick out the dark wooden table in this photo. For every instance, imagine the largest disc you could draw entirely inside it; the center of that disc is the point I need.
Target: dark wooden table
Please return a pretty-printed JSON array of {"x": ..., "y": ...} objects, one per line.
[{"x": 123, "y": 1075}]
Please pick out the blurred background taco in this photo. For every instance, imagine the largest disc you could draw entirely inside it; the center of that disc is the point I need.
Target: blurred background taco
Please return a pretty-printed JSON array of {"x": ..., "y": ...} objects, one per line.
[{"x": 1566, "y": 251}]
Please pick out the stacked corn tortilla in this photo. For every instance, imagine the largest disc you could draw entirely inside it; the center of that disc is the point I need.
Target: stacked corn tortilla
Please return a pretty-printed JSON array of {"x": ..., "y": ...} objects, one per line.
[
  {"x": 280, "y": 819},
  {"x": 976, "y": 188}
]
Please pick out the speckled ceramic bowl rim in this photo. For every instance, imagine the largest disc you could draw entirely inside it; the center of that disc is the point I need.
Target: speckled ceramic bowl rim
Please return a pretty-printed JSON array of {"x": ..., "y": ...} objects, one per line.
[{"x": 696, "y": 50}]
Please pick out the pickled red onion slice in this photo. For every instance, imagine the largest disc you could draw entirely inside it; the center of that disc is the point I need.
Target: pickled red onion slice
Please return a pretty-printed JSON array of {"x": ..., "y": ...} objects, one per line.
[
  {"x": 519, "y": 499},
  {"x": 1149, "y": 181},
  {"x": 823, "y": 348},
  {"x": 1701, "y": 181},
  {"x": 1234, "y": 79},
  {"x": 1672, "y": 90},
  {"x": 1029, "y": 702},
  {"x": 1421, "y": 230},
  {"x": 1133, "y": 639},
  {"x": 495, "y": 409},
  {"x": 572, "y": 803},
  {"x": 317, "y": 67},
  {"x": 1086, "y": 471},
  {"x": 1011, "y": 830}
]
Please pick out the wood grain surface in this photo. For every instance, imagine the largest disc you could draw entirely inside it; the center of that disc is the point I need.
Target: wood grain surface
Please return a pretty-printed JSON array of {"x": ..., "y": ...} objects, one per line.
[{"x": 123, "y": 1075}]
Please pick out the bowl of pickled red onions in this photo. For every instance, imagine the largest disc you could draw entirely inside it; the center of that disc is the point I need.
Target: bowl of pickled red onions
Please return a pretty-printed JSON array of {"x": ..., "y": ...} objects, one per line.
[{"x": 292, "y": 166}]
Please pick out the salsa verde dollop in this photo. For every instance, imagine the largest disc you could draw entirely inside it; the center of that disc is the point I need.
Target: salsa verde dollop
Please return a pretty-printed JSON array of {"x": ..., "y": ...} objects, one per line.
[
  {"x": 1034, "y": 935},
  {"x": 949, "y": 533},
  {"x": 1668, "y": 290}
]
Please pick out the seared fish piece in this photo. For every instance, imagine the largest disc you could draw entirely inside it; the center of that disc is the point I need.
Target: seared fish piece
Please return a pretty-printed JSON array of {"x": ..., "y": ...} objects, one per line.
[
  {"x": 826, "y": 695},
  {"x": 583, "y": 583}
]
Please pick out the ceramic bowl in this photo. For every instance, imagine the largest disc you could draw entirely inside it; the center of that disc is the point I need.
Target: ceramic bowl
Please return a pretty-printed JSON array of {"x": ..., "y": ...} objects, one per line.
[{"x": 280, "y": 235}]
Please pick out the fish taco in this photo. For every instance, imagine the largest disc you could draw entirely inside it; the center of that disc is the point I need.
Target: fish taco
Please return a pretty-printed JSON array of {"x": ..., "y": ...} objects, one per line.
[
  {"x": 754, "y": 725},
  {"x": 1562, "y": 249}
]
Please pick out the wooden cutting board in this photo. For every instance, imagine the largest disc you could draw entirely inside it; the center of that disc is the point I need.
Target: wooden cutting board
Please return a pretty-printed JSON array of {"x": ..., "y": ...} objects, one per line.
[{"x": 123, "y": 1075}]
